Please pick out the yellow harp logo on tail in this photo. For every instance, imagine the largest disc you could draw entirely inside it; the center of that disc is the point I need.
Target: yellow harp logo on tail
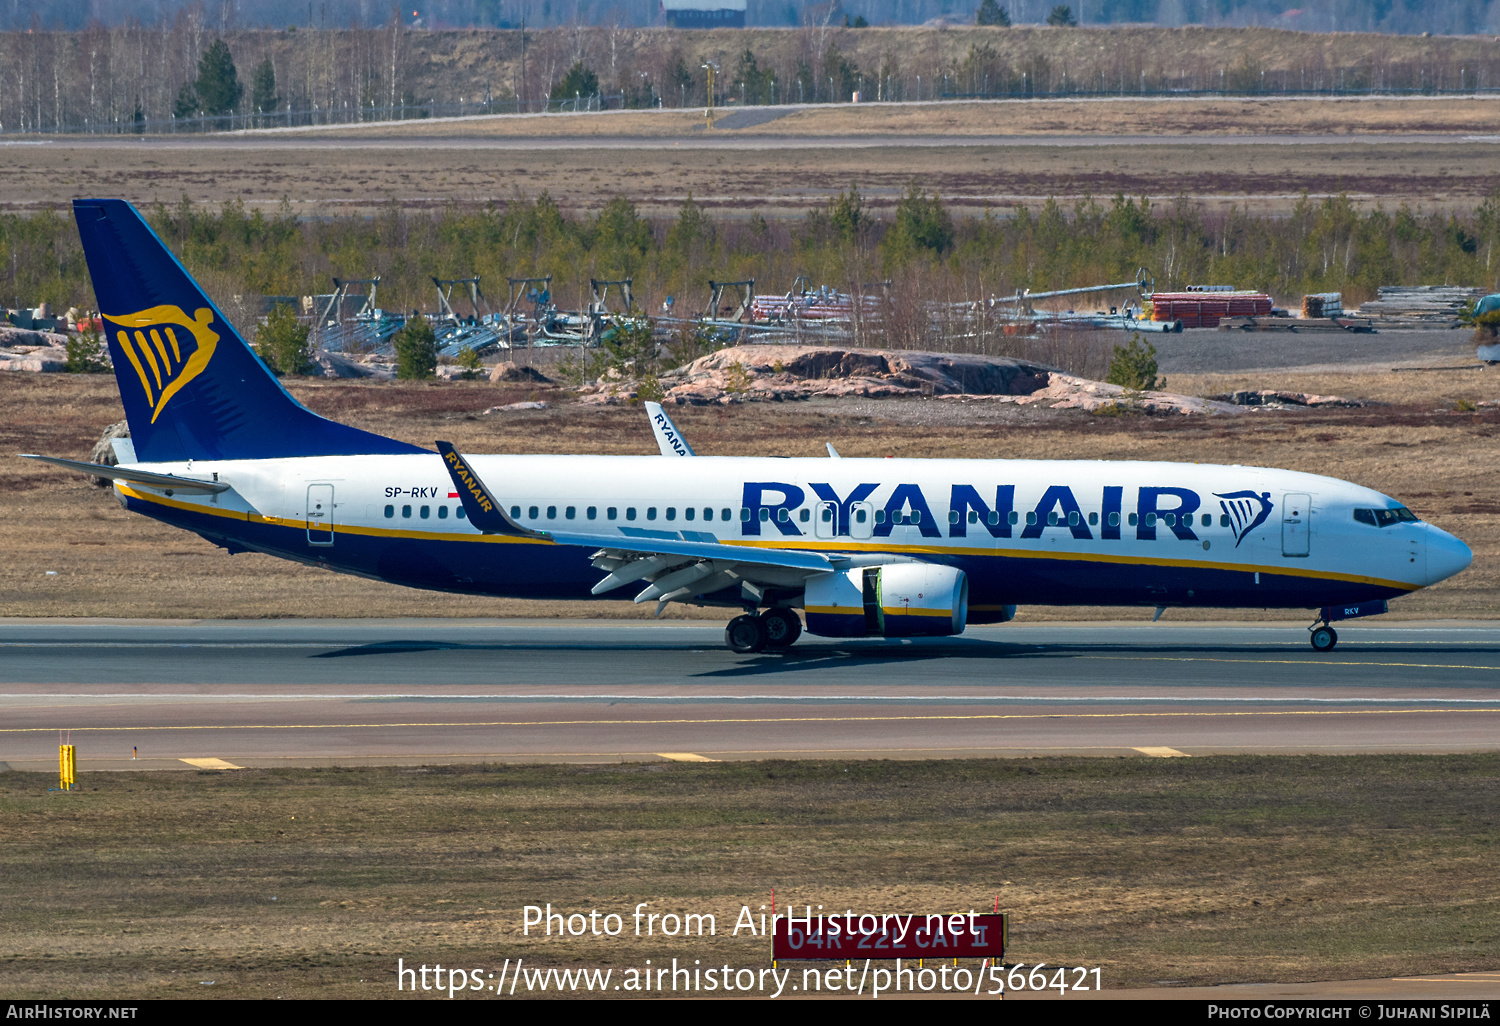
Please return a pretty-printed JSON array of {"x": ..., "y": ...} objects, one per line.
[{"x": 160, "y": 354}]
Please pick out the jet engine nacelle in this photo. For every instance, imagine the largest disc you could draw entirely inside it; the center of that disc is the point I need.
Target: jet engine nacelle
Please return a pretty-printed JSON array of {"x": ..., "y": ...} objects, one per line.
[{"x": 898, "y": 600}]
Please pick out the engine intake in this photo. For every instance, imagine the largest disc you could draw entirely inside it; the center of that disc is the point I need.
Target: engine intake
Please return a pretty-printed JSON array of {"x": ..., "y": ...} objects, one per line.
[{"x": 898, "y": 600}]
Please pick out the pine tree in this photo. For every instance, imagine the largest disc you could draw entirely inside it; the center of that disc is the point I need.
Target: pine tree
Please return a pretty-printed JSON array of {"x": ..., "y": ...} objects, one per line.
[
  {"x": 922, "y": 223},
  {"x": 187, "y": 102},
  {"x": 218, "y": 85},
  {"x": 991, "y": 13},
  {"x": 283, "y": 341},
  {"x": 1061, "y": 16},
  {"x": 1134, "y": 366},
  {"x": 416, "y": 351},
  {"x": 580, "y": 81},
  {"x": 263, "y": 90}
]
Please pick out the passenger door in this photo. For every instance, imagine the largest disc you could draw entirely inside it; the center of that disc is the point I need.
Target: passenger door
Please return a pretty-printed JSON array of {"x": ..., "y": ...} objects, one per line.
[
  {"x": 1296, "y": 524},
  {"x": 826, "y": 522},
  {"x": 320, "y": 514},
  {"x": 861, "y": 520}
]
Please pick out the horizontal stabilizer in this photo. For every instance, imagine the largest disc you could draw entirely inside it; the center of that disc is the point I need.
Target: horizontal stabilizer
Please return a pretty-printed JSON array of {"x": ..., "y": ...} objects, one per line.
[{"x": 145, "y": 477}]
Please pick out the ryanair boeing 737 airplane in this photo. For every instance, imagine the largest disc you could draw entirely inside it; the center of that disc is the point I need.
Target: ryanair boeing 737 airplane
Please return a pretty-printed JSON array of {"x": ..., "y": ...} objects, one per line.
[{"x": 890, "y": 548}]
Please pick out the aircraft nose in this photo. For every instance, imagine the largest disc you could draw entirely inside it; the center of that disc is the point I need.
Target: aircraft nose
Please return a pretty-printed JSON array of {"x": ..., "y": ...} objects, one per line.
[{"x": 1446, "y": 555}]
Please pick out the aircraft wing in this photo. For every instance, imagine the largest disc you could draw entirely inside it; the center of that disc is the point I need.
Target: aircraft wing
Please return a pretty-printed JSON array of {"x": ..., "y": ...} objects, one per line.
[
  {"x": 145, "y": 477},
  {"x": 674, "y": 564}
]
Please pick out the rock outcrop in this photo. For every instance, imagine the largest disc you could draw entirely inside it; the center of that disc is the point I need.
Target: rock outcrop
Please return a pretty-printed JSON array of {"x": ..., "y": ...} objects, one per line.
[
  {"x": 337, "y": 365},
  {"x": 1272, "y": 397},
  {"x": 780, "y": 373},
  {"x": 36, "y": 358},
  {"x": 792, "y": 372},
  {"x": 509, "y": 371}
]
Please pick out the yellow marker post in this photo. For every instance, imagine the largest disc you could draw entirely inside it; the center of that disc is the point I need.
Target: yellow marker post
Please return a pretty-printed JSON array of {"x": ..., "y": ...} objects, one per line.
[
  {"x": 67, "y": 767},
  {"x": 708, "y": 112}
]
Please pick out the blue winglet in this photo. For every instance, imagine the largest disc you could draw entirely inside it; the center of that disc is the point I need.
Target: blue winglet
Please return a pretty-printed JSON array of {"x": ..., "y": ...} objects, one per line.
[
  {"x": 191, "y": 387},
  {"x": 482, "y": 508}
]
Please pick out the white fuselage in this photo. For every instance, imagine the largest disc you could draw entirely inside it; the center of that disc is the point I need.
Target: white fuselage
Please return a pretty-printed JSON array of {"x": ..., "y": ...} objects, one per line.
[{"x": 1026, "y": 531}]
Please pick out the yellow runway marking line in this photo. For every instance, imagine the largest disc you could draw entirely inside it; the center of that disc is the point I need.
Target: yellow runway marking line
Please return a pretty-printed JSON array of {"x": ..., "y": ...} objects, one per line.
[
  {"x": 210, "y": 763},
  {"x": 684, "y": 757},
  {"x": 1459, "y": 978},
  {"x": 988, "y": 717},
  {"x": 1162, "y": 753}
]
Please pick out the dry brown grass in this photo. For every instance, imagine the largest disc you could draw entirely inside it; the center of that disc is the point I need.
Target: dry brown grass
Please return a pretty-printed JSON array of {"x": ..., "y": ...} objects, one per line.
[
  {"x": 476, "y": 162},
  {"x": 110, "y": 563},
  {"x": 1077, "y": 118},
  {"x": 1198, "y": 871}
]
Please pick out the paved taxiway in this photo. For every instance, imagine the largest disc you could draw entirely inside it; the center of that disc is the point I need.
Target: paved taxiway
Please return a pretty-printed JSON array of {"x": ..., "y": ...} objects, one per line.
[{"x": 354, "y": 692}]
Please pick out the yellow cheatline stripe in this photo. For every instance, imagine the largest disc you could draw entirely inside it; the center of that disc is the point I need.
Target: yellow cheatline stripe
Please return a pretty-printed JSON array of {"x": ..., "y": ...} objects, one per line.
[
  {"x": 921, "y": 550},
  {"x": 684, "y": 757},
  {"x": 295, "y": 524},
  {"x": 1161, "y": 752},
  {"x": 1087, "y": 557},
  {"x": 210, "y": 763},
  {"x": 771, "y": 719},
  {"x": 1311, "y": 660}
]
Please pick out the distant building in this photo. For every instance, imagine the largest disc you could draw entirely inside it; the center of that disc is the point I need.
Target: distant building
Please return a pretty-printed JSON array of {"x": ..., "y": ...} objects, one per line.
[{"x": 693, "y": 14}]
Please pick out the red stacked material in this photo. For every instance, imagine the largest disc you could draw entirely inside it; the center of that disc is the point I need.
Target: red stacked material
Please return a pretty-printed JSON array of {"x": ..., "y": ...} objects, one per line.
[{"x": 1203, "y": 309}]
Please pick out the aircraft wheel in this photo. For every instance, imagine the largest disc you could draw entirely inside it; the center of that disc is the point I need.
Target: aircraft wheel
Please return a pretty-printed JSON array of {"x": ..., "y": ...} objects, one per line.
[
  {"x": 745, "y": 634},
  {"x": 782, "y": 627},
  {"x": 1324, "y": 638}
]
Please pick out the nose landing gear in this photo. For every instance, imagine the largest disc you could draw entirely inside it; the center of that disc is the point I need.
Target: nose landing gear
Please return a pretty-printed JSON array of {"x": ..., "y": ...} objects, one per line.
[
  {"x": 1323, "y": 637},
  {"x": 774, "y": 629}
]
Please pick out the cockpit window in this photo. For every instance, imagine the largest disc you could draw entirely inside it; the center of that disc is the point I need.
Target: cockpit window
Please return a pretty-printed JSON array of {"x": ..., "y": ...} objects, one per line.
[{"x": 1385, "y": 517}]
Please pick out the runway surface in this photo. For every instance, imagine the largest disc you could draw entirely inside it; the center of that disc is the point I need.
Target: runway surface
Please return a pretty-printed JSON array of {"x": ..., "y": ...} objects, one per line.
[
  {"x": 411, "y": 691},
  {"x": 459, "y": 139}
]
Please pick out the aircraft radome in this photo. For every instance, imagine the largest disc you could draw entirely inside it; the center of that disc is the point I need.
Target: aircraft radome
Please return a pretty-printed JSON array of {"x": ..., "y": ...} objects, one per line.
[{"x": 889, "y": 548}]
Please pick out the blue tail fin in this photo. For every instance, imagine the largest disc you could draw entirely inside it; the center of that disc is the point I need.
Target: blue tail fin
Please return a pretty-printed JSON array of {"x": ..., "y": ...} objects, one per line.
[{"x": 192, "y": 388}]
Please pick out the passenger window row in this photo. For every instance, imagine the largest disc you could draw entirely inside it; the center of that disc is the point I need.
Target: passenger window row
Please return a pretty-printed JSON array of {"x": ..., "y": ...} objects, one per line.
[
  {"x": 424, "y": 512},
  {"x": 613, "y": 513},
  {"x": 1373, "y": 517}
]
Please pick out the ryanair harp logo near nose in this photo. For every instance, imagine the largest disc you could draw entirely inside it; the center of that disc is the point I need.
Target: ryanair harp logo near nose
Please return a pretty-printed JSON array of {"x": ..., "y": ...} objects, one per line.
[
  {"x": 1248, "y": 510},
  {"x": 167, "y": 349}
]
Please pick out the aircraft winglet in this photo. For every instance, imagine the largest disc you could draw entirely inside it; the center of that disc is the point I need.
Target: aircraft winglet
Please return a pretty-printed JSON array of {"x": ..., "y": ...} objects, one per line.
[
  {"x": 668, "y": 438},
  {"x": 484, "y": 510}
]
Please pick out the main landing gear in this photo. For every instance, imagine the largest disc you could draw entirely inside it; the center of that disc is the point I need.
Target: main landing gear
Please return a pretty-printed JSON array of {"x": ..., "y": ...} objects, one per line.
[
  {"x": 1323, "y": 637},
  {"x": 774, "y": 629}
]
